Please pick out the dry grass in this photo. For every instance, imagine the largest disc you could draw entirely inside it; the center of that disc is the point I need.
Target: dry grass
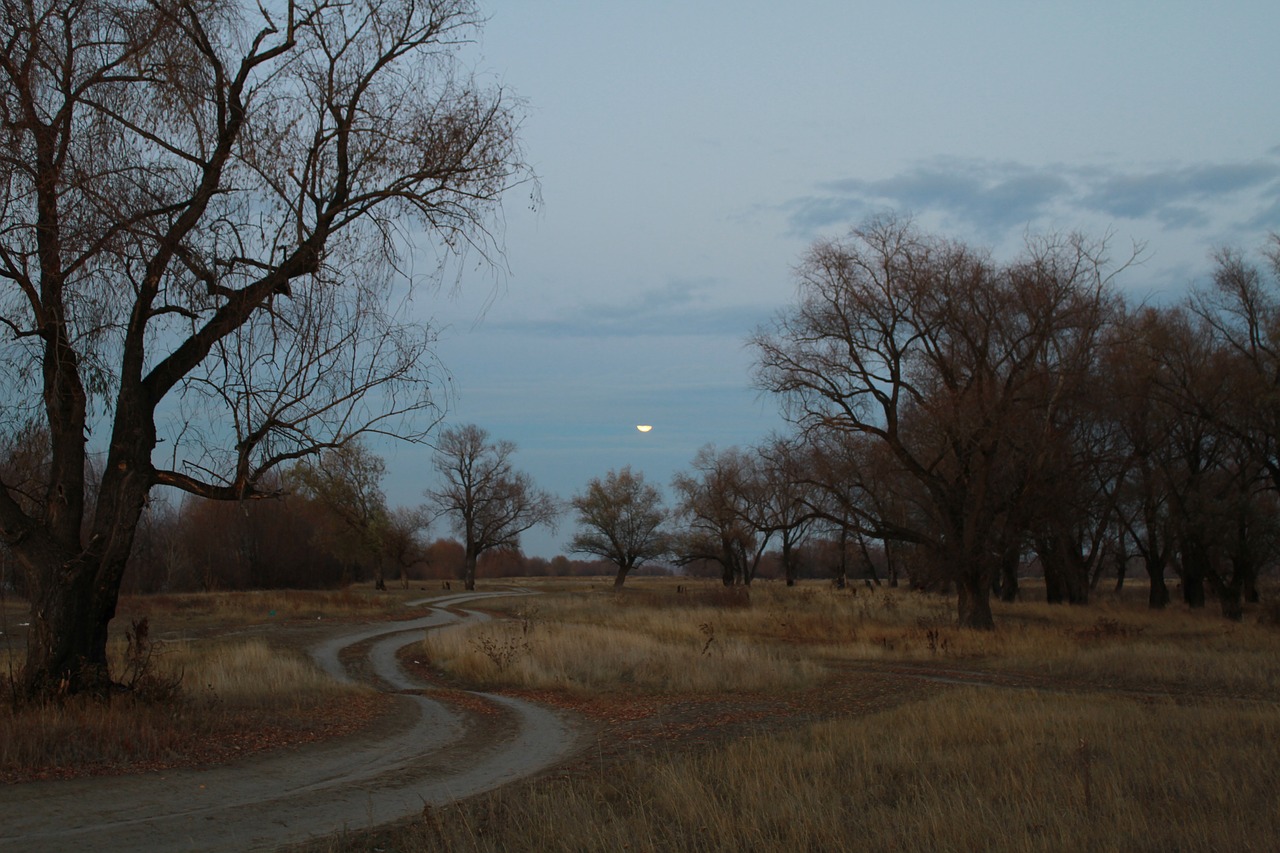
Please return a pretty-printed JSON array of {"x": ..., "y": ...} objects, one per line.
[
  {"x": 235, "y": 696},
  {"x": 648, "y": 639},
  {"x": 587, "y": 638},
  {"x": 964, "y": 770},
  {"x": 989, "y": 768},
  {"x": 196, "y": 612}
]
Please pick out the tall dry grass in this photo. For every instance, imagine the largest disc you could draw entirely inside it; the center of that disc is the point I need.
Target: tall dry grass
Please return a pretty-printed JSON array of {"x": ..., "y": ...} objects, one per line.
[
  {"x": 236, "y": 689},
  {"x": 965, "y": 770},
  {"x": 655, "y": 636},
  {"x": 605, "y": 641},
  {"x": 186, "y": 612}
]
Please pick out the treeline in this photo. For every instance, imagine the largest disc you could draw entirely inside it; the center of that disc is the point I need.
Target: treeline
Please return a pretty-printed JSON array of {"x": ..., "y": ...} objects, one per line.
[
  {"x": 295, "y": 542},
  {"x": 966, "y": 418}
]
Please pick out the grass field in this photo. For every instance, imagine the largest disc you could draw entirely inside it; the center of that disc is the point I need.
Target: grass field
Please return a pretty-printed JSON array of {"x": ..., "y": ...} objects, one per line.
[
  {"x": 1141, "y": 731},
  {"x": 727, "y": 722}
]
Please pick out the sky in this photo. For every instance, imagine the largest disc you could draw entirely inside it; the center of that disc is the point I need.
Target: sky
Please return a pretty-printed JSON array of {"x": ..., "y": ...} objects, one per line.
[{"x": 688, "y": 154}]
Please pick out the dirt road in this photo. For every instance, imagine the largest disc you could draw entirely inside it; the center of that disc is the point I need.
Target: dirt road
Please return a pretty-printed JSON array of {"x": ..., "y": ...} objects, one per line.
[{"x": 430, "y": 753}]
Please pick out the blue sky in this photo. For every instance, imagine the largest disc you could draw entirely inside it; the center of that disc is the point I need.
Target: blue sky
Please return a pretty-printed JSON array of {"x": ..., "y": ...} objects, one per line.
[{"x": 688, "y": 153}]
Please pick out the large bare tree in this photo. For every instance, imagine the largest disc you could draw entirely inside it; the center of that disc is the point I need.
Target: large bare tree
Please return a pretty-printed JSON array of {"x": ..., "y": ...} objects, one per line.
[
  {"x": 956, "y": 367},
  {"x": 205, "y": 206},
  {"x": 487, "y": 501}
]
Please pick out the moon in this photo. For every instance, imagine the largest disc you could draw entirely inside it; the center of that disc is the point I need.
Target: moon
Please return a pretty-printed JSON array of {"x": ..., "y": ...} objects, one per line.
[{"x": 644, "y": 427}]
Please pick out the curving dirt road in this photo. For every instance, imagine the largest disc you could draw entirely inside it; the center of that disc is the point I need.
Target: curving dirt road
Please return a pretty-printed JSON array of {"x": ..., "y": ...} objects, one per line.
[{"x": 429, "y": 754}]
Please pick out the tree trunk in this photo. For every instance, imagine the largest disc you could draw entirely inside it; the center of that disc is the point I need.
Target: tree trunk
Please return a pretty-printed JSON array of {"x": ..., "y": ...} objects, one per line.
[
  {"x": 469, "y": 569},
  {"x": 620, "y": 577},
  {"x": 1195, "y": 568},
  {"x": 1009, "y": 576},
  {"x": 74, "y": 591},
  {"x": 71, "y": 611},
  {"x": 1076, "y": 577},
  {"x": 1158, "y": 598},
  {"x": 1251, "y": 589},
  {"x": 974, "y": 601}
]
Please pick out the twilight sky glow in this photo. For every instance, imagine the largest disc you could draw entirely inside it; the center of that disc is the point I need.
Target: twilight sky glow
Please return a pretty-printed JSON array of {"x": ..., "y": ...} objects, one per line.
[{"x": 690, "y": 152}]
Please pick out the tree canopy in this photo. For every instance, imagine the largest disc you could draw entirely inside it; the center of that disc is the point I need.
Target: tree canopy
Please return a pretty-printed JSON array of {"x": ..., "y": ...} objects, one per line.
[{"x": 621, "y": 519}]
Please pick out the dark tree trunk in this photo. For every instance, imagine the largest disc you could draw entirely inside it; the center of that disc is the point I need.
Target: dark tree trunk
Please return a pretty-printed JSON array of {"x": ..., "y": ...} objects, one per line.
[
  {"x": 891, "y": 564},
  {"x": 620, "y": 577},
  {"x": 67, "y": 644},
  {"x": 1158, "y": 598},
  {"x": 469, "y": 568},
  {"x": 1194, "y": 569},
  {"x": 1193, "y": 591},
  {"x": 1251, "y": 589},
  {"x": 74, "y": 593},
  {"x": 841, "y": 569},
  {"x": 974, "y": 605},
  {"x": 1076, "y": 577},
  {"x": 1055, "y": 585},
  {"x": 1009, "y": 576}
]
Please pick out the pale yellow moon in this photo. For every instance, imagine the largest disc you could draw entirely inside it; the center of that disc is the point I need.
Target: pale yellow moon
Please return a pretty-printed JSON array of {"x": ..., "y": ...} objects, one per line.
[{"x": 644, "y": 427}]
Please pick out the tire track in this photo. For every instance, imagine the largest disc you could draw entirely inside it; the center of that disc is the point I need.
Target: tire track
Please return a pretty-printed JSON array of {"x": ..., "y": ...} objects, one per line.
[{"x": 432, "y": 755}]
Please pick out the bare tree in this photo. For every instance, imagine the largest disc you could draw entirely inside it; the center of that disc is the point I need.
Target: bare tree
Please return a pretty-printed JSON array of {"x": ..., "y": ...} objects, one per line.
[
  {"x": 954, "y": 365},
  {"x": 203, "y": 209},
  {"x": 347, "y": 482},
  {"x": 718, "y": 506},
  {"x": 402, "y": 540},
  {"x": 486, "y": 500},
  {"x": 786, "y": 504},
  {"x": 622, "y": 520}
]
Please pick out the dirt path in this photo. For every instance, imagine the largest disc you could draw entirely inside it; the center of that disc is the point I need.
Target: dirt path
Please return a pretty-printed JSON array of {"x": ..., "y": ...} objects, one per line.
[{"x": 429, "y": 753}]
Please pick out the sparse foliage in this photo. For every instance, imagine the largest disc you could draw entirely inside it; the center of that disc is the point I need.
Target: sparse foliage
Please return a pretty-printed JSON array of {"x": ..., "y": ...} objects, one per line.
[
  {"x": 488, "y": 503},
  {"x": 347, "y": 482},
  {"x": 621, "y": 519},
  {"x": 960, "y": 369}
]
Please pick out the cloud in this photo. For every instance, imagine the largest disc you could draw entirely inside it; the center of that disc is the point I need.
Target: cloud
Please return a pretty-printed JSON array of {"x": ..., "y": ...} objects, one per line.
[
  {"x": 1170, "y": 195},
  {"x": 679, "y": 307},
  {"x": 992, "y": 199},
  {"x": 989, "y": 196}
]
